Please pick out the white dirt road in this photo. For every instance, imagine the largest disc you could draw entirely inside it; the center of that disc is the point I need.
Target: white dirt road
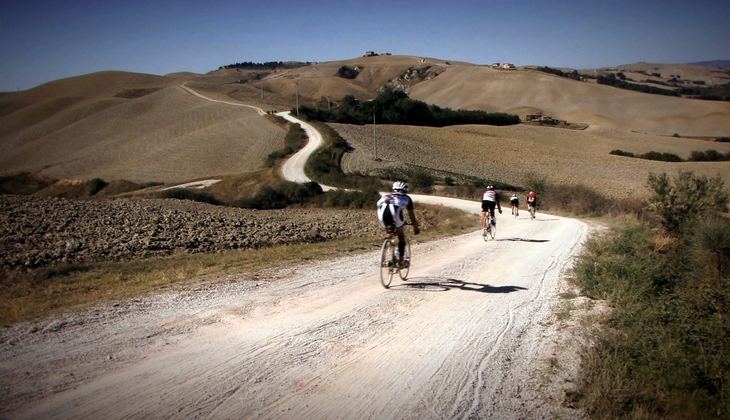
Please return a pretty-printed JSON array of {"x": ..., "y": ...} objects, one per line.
[
  {"x": 472, "y": 334},
  {"x": 469, "y": 335}
]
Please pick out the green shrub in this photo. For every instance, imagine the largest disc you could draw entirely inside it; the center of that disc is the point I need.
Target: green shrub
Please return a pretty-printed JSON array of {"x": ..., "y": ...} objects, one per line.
[
  {"x": 664, "y": 351},
  {"x": 96, "y": 185},
  {"x": 620, "y": 152},
  {"x": 347, "y": 72},
  {"x": 186, "y": 194},
  {"x": 684, "y": 199},
  {"x": 23, "y": 183}
]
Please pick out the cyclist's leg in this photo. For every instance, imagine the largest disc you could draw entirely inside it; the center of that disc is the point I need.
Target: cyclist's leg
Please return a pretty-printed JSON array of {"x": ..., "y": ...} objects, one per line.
[
  {"x": 492, "y": 205},
  {"x": 485, "y": 209},
  {"x": 401, "y": 243}
]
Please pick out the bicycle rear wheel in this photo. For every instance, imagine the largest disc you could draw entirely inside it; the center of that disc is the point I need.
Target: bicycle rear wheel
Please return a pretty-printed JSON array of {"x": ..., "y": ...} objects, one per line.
[
  {"x": 387, "y": 263},
  {"x": 532, "y": 213},
  {"x": 403, "y": 272},
  {"x": 492, "y": 230}
]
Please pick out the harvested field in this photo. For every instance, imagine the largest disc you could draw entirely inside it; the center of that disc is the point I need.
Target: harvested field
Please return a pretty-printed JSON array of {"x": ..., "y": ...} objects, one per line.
[
  {"x": 508, "y": 154},
  {"x": 166, "y": 136}
]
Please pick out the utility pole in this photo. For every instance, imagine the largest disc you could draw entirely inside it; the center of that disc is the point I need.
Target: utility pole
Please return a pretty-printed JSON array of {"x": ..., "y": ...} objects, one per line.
[
  {"x": 375, "y": 144},
  {"x": 297, "y": 83}
]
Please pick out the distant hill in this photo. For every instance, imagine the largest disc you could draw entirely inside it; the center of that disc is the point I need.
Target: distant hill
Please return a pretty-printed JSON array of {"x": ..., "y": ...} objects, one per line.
[
  {"x": 713, "y": 63},
  {"x": 146, "y": 128}
]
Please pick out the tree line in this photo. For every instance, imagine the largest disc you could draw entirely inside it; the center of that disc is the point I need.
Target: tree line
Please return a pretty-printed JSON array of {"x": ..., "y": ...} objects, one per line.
[
  {"x": 395, "y": 107},
  {"x": 269, "y": 65}
]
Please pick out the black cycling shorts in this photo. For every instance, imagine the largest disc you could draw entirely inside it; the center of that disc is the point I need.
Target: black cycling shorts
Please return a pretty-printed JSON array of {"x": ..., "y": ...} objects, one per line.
[{"x": 488, "y": 206}]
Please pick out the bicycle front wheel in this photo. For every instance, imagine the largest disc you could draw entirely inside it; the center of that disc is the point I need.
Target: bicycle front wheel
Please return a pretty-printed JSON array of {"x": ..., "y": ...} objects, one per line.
[
  {"x": 403, "y": 272},
  {"x": 387, "y": 263}
]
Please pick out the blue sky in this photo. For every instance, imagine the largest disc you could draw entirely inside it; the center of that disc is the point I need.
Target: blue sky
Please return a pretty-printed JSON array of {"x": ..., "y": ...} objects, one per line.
[{"x": 45, "y": 40}]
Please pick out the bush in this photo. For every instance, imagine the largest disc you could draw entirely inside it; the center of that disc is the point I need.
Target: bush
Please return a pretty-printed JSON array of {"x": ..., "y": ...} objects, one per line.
[
  {"x": 185, "y": 194},
  {"x": 347, "y": 72},
  {"x": 708, "y": 156},
  {"x": 23, "y": 183},
  {"x": 620, "y": 152},
  {"x": 685, "y": 199},
  {"x": 286, "y": 194},
  {"x": 96, "y": 185},
  {"x": 395, "y": 107},
  {"x": 664, "y": 353}
]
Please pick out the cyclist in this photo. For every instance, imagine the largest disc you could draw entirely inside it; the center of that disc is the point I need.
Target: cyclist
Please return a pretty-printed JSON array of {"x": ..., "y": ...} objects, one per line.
[
  {"x": 515, "y": 202},
  {"x": 490, "y": 199},
  {"x": 390, "y": 215},
  {"x": 531, "y": 201}
]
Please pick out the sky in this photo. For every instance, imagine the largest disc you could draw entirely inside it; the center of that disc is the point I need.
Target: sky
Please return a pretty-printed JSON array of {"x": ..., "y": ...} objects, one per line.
[{"x": 46, "y": 40}]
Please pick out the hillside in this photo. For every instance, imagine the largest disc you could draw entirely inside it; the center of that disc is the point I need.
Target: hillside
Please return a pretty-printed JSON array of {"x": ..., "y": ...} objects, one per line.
[{"x": 145, "y": 128}]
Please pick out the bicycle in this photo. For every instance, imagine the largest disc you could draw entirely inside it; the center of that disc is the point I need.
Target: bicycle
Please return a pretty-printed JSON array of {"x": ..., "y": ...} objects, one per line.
[
  {"x": 531, "y": 209},
  {"x": 515, "y": 211},
  {"x": 489, "y": 230},
  {"x": 389, "y": 259}
]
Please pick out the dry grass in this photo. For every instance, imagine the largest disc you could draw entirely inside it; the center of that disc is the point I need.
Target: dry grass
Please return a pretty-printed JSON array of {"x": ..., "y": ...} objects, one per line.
[
  {"x": 510, "y": 154},
  {"x": 29, "y": 295}
]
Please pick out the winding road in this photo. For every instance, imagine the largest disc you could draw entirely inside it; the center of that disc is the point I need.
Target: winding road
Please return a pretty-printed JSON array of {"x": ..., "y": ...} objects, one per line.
[{"x": 471, "y": 334}]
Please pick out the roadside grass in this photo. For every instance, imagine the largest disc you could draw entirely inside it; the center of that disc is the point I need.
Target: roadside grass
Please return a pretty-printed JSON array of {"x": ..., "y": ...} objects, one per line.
[
  {"x": 662, "y": 351},
  {"x": 28, "y": 296}
]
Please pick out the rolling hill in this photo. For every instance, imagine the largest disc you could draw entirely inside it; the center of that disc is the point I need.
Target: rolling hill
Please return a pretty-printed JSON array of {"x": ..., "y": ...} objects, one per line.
[{"x": 145, "y": 128}]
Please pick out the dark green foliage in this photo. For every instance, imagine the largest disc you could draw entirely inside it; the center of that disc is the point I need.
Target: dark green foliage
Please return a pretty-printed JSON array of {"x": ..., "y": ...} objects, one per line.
[
  {"x": 347, "y": 72},
  {"x": 685, "y": 199},
  {"x": 286, "y": 194},
  {"x": 612, "y": 80},
  {"x": 571, "y": 75},
  {"x": 96, "y": 185},
  {"x": 23, "y": 183},
  {"x": 422, "y": 180},
  {"x": 708, "y": 156},
  {"x": 714, "y": 93},
  {"x": 269, "y": 65},
  {"x": 186, "y": 194},
  {"x": 349, "y": 199},
  {"x": 295, "y": 139},
  {"x": 664, "y": 157},
  {"x": 395, "y": 107},
  {"x": 620, "y": 152},
  {"x": 664, "y": 353}
]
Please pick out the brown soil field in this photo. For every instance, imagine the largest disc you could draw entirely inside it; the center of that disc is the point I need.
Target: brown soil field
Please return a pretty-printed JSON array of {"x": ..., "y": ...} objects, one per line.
[{"x": 508, "y": 154}]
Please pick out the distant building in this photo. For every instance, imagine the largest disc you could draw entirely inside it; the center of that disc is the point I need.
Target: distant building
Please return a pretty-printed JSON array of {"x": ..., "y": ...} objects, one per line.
[
  {"x": 508, "y": 66},
  {"x": 496, "y": 65},
  {"x": 370, "y": 54}
]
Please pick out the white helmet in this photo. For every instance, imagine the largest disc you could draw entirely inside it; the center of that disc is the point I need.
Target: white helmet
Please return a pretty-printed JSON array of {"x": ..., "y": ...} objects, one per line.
[{"x": 400, "y": 186}]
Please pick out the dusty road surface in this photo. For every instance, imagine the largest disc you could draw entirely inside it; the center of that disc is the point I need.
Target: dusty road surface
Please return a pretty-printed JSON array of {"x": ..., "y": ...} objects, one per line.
[{"x": 468, "y": 335}]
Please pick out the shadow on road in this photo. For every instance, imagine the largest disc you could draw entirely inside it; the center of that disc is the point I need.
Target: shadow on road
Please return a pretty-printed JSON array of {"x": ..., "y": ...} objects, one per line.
[
  {"x": 437, "y": 284},
  {"x": 523, "y": 240}
]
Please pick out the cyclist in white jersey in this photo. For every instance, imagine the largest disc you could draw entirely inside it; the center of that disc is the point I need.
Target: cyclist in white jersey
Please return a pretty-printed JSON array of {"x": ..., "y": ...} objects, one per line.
[
  {"x": 490, "y": 200},
  {"x": 390, "y": 214}
]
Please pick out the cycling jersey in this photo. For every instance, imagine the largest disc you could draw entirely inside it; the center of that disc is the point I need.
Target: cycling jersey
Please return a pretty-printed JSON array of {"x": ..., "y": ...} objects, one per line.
[
  {"x": 390, "y": 209},
  {"x": 490, "y": 196}
]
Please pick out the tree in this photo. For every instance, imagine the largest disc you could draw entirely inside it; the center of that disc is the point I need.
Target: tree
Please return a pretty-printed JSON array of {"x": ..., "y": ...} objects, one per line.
[{"x": 685, "y": 199}]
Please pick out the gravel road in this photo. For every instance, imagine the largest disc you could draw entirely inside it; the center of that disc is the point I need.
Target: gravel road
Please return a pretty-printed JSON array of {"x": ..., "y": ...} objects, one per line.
[{"x": 471, "y": 334}]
